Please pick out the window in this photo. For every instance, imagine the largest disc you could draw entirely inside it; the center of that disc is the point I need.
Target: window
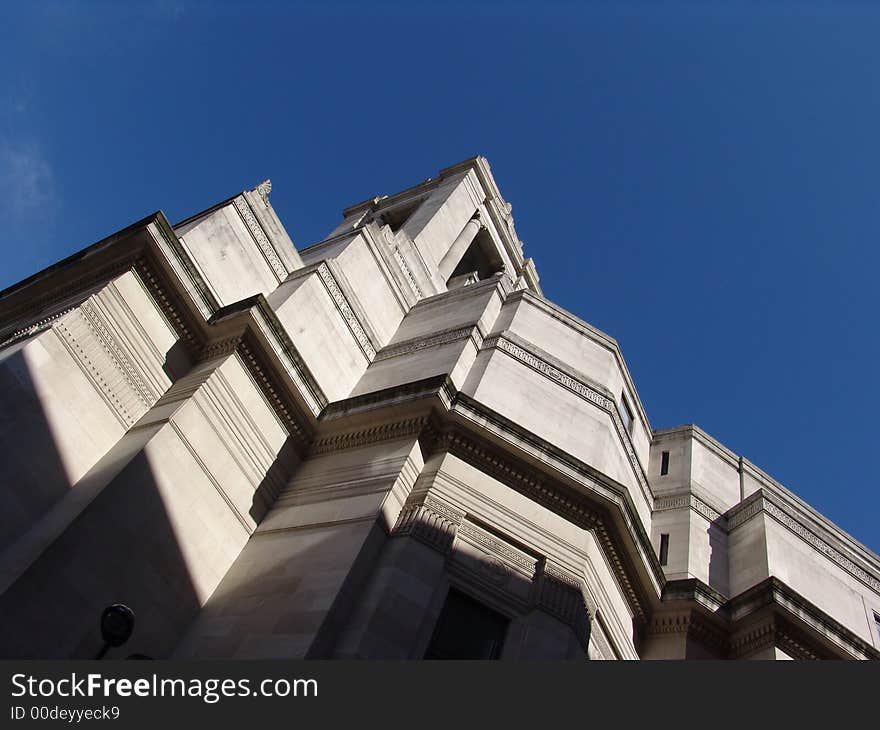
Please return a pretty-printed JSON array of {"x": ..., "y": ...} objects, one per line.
[
  {"x": 664, "y": 548},
  {"x": 467, "y": 629},
  {"x": 397, "y": 216},
  {"x": 877, "y": 625},
  {"x": 664, "y": 463},
  {"x": 626, "y": 413}
]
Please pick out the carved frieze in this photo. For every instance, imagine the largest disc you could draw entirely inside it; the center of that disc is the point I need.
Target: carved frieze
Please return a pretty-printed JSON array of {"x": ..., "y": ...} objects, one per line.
[
  {"x": 259, "y": 235},
  {"x": 345, "y": 309},
  {"x": 683, "y": 501},
  {"x": 763, "y": 504},
  {"x": 420, "y": 343},
  {"x": 582, "y": 389},
  {"x": 431, "y": 522}
]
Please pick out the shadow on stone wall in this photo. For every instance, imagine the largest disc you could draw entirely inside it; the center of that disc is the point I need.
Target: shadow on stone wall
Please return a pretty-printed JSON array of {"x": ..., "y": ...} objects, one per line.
[
  {"x": 32, "y": 475},
  {"x": 72, "y": 549}
]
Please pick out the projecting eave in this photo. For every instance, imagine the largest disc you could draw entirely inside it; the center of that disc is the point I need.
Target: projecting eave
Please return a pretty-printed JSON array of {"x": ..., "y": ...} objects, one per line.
[
  {"x": 82, "y": 254},
  {"x": 799, "y": 510},
  {"x": 56, "y": 288},
  {"x": 454, "y": 422},
  {"x": 153, "y": 251},
  {"x": 587, "y": 330}
]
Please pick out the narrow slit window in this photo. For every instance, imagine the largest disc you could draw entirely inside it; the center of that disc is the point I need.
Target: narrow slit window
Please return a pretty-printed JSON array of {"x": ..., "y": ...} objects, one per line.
[
  {"x": 664, "y": 548},
  {"x": 877, "y": 625},
  {"x": 664, "y": 463},
  {"x": 626, "y": 414}
]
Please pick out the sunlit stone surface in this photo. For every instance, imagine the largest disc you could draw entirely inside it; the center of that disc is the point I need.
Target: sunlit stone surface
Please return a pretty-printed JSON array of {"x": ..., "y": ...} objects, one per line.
[{"x": 385, "y": 445}]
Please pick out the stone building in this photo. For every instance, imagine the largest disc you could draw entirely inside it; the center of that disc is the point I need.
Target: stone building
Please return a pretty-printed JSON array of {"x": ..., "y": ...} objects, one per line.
[{"x": 386, "y": 445}]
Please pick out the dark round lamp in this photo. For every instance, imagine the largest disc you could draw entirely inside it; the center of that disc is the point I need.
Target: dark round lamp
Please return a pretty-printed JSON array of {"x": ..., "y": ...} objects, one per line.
[{"x": 117, "y": 623}]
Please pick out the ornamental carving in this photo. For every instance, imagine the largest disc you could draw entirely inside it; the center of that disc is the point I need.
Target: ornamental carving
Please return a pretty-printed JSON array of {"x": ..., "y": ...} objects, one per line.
[
  {"x": 345, "y": 309},
  {"x": 259, "y": 236},
  {"x": 420, "y": 343}
]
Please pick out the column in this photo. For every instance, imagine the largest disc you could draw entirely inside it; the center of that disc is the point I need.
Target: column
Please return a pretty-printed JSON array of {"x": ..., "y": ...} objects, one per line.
[{"x": 459, "y": 247}]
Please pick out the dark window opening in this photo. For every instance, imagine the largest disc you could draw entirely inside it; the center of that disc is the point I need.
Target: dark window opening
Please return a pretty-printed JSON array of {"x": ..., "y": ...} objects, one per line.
[
  {"x": 626, "y": 413},
  {"x": 476, "y": 259},
  {"x": 664, "y": 548},
  {"x": 664, "y": 463},
  {"x": 467, "y": 629},
  {"x": 396, "y": 217},
  {"x": 877, "y": 625}
]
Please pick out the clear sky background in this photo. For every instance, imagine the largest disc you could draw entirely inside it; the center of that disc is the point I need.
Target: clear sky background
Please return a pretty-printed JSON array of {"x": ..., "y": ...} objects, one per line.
[{"x": 699, "y": 180}]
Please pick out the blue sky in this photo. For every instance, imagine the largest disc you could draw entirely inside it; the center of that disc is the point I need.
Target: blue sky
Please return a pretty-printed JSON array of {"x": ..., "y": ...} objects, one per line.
[{"x": 699, "y": 180}]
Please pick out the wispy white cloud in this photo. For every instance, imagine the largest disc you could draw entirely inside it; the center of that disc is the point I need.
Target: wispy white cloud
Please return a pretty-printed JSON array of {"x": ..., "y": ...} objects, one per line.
[{"x": 27, "y": 181}]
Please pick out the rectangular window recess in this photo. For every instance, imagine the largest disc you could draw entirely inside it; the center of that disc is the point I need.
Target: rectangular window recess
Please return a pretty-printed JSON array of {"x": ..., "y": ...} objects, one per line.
[{"x": 664, "y": 548}]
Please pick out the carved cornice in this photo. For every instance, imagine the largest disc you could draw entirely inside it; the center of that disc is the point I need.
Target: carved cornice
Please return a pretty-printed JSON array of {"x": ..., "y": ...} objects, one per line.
[
  {"x": 431, "y": 522},
  {"x": 531, "y": 484},
  {"x": 762, "y": 501},
  {"x": 485, "y": 559},
  {"x": 685, "y": 501},
  {"x": 420, "y": 343},
  {"x": 390, "y": 239},
  {"x": 257, "y": 232},
  {"x": 598, "y": 635},
  {"x": 188, "y": 330},
  {"x": 60, "y": 299},
  {"x": 517, "y": 349},
  {"x": 284, "y": 407},
  {"x": 510, "y": 555},
  {"x": 693, "y": 624},
  {"x": 345, "y": 309},
  {"x": 86, "y": 358},
  {"x": 768, "y": 614},
  {"x": 774, "y": 632},
  {"x": 373, "y": 434},
  {"x": 34, "y": 328},
  {"x": 561, "y": 594},
  {"x": 110, "y": 343},
  {"x": 407, "y": 272}
]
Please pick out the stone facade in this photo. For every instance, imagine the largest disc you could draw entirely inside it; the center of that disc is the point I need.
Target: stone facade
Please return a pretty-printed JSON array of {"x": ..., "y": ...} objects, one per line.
[{"x": 280, "y": 453}]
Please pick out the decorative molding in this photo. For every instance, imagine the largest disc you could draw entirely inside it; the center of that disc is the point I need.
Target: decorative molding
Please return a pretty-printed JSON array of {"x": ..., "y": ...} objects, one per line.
[
  {"x": 101, "y": 368},
  {"x": 773, "y": 633},
  {"x": 420, "y": 343},
  {"x": 508, "y": 554},
  {"x": 221, "y": 347},
  {"x": 259, "y": 235},
  {"x": 545, "y": 368},
  {"x": 263, "y": 190},
  {"x": 108, "y": 340},
  {"x": 599, "y": 639},
  {"x": 67, "y": 296},
  {"x": 682, "y": 501},
  {"x": 407, "y": 272},
  {"x": 174, "y": 313},
  {"x": 282, "y": 346},
  {"x": 823, "y": 547},
  {"x": 431, "y": 522},
  {"x": 345, "y": 309},
  {"x": 35, "y": 328},
  {"x": 560, "y": 594},
  {"x": 284, "y": 408},
  {"x": 533, "y": 487},
  {"x": 391, "y": 240},
  {"x": 585, "y": 391},
  {"x": 374, "y": 434},
  {"x": 762, "y": 504},
  {"x": 693, "y": 624},
  {"x": 737, "y": 517}
]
